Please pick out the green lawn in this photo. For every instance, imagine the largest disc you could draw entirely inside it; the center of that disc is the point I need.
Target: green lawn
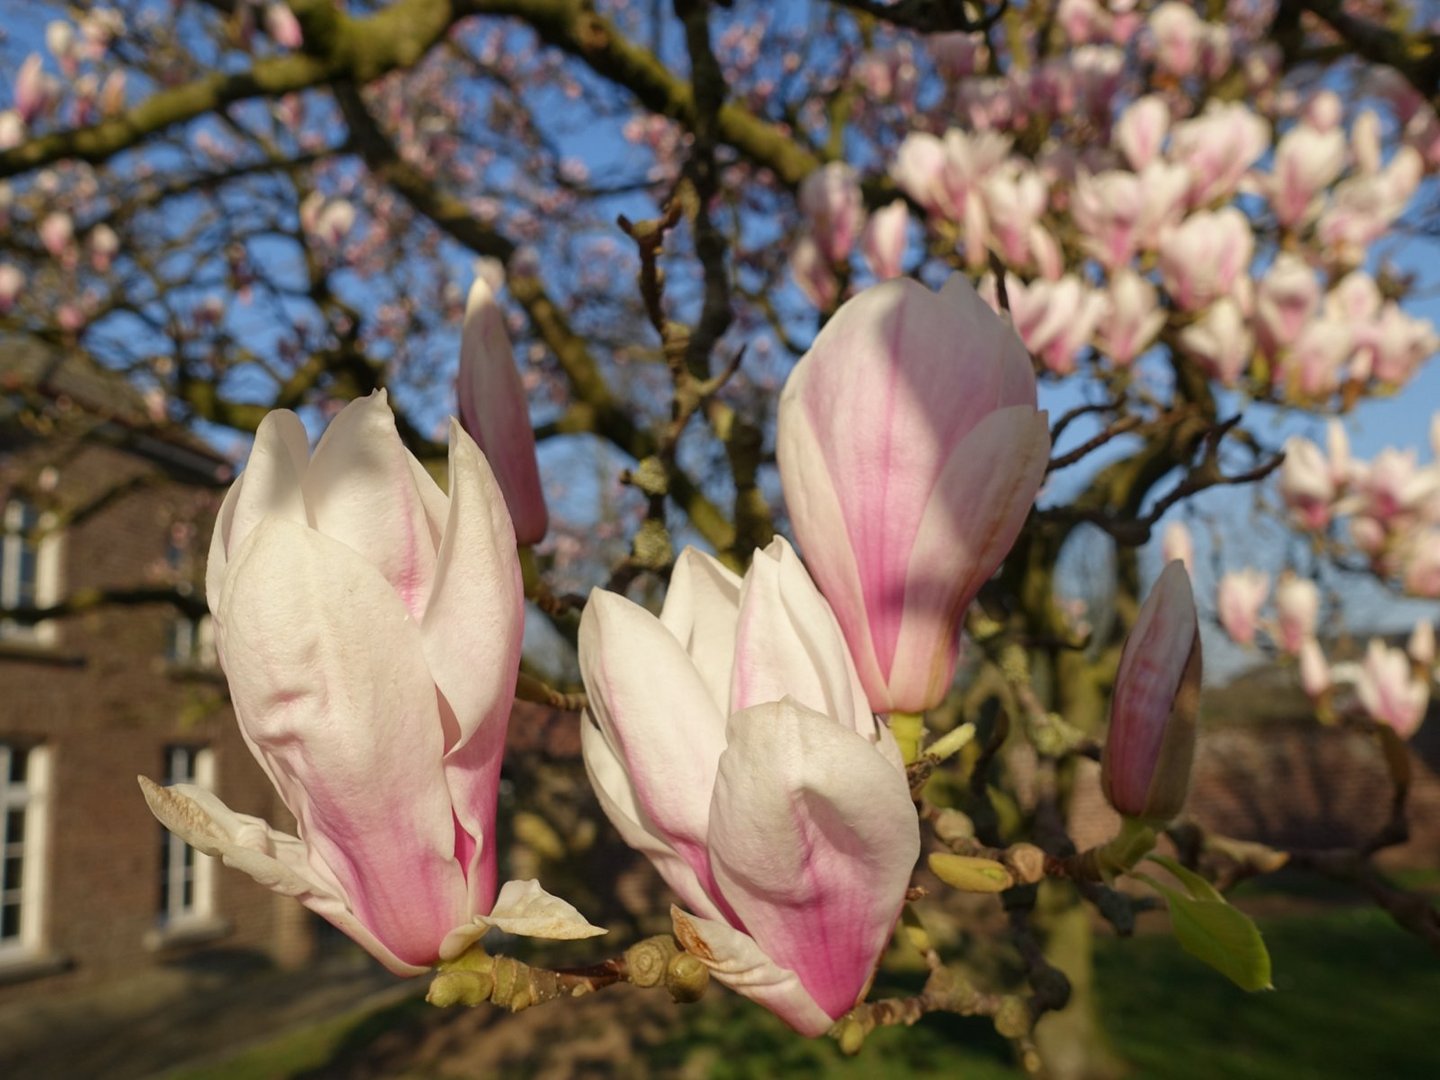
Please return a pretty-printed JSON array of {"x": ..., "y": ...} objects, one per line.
[{"x": 1354, "y": 997}]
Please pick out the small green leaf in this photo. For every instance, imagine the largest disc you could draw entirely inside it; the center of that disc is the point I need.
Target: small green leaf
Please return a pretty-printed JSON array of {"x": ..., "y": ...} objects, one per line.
[
  {"x": 1215, "y": 933},
  {"x": 1195, "y": 885}
]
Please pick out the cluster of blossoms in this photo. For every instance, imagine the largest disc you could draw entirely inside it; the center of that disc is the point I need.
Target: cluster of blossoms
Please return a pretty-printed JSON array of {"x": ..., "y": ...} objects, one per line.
[
  {"x": 370, "y": 627},
  {"x": 1157, "y": 220},
  {"x": 1390, "y": 505}
]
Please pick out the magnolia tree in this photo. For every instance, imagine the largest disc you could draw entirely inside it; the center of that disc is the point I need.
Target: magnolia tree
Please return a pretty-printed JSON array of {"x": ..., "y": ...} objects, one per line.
[{"x": 928, "y": 287}]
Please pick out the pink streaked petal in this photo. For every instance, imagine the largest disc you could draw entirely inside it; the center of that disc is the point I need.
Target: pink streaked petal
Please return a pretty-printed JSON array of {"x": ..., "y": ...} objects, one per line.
[
  {"x": 656, "y": 713},
  {"x": 811, "y": 497},
  {"x": 471, "y": 633},
  {"x": 494, "y": 411},
  {"x": 362, "y": 490},
  {"x": 788, "y": 644},
  {"x": 735, "y": 959},
  {"x": 329, "y": 681},
  {"x": 813, "y": 838},
  {"x": 617, "y": 798},
  {"x": 274, "y": 859},
  {"x": 973, "y": 516},
  {"x": 700, "y": 609},
  {"x": 271, "y": 484}
]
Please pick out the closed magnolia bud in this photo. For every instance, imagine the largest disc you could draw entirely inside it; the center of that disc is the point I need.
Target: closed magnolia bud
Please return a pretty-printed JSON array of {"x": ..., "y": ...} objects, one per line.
[
  {"x": 970, "y": 873},
  {"x": 1145, "y": 770}
]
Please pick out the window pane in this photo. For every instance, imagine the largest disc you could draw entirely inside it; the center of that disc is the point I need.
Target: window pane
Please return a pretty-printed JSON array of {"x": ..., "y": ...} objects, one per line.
[
  {"x": 9, "y": 921},
  {"x": 14, "y": 827},
  {"x": 18, "y": 760}
]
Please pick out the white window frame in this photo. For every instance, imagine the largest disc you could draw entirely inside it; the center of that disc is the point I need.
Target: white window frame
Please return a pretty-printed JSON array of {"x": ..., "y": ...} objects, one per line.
[
  {"x": 199, "y": 645},
  {"x": 47, "y": 572},
  {"x": 32, "y": 796},
  {"x": 186, "y": 764}
]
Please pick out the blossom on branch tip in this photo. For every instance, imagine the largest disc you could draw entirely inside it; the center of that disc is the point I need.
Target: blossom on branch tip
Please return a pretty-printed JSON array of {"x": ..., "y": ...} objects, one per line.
[
  {"x": 369, "y": 625},
  {"x": 1389, "y": 691},
  {"x": 732, "y": 745},
  {"x": 1240, "y": 595},
  {"x": 910, "y": 451}
]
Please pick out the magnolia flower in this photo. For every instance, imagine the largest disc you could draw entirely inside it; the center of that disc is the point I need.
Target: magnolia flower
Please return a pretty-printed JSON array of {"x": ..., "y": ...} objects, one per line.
[
  {"x": 884, "y": 238},
  {"x": 1145, "y": 769},
  {"x": 369, "y": 626},
  {"x": 1132, "y": 319},
  {"x": 1287, "y": 299},
  {"x": 811, "y": 272},
  {"x": 833, "y": 207},
  {"x": 910, "y": 451},
  {"x": 1297, "y": 607},
  {"x": 1218, "y": 146},
  {"x": 1221, "y": 341},
  {"x": 493, "y": 409},
  {"x": 1177, "y": 32},
  {"x": 12, "y": 281},
  {"x": 1238, "y": 603},
  {"x": 1141, "y": 130},
  {"x": 1307, "y": 161},
  {"x": 282, "y": 26},
  {"x": 1315, "y": 678},
  {"x": 1389, "y": 691},
  {"x": 1176, "y": 545},
  {"x": 1202, "y": 259},
  {"x": 733, "y": 746},
  {"x": 1311, "y": 482},
  {"x": 1421, "y": 645}
]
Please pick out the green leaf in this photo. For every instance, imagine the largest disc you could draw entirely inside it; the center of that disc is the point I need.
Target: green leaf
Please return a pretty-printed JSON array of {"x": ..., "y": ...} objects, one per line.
[{"x": 1213, "y": 932}]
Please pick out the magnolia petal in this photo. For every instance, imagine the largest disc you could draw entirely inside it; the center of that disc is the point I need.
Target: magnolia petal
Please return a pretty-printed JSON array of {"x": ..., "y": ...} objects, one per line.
[
  {"x": 813, "y": 838},
  {"x": 700, "y": 609},
  {"x": 363, "y": 491},
  {"x": 788, "y": 644},
  {"x": 735, "y": 959},
  {"x": 336, "y": 699},
  {"x": 471, "y": 634},
  {"x": 271, "y": 484},
  {"x": 274, "y": 859},
  {"x": 657, "y": 714},
  {"x": 974, "y": 514},
  {"x": 617, "y": 798}
]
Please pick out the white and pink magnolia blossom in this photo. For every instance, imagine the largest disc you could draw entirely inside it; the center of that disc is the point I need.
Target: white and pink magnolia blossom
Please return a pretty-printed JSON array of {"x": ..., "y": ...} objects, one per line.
[
  {"x": 1177, "y": 545},
  {"x": 1145, "y": 769},
  {"x": 1205, "y": 257},
  {"x": 1287, "y": 299},
  {"x": 12, "y": 281},
  {"x": 12, "y": 129},
  {"x": 60, "y": 40},
  {"x": 369, "y": 626},
  {"x": 884, "y": 240},
  {"x": 1399, "y": 344},
  {"x": 1238, "y": 601},
  {"x": 1310, "y": 482},
  {"x": 1218, "y": 147},
  {"x": 1362, "y": 208},
  {"x": 1312, "y": 368},
  {"x": 103, "y": 244},
  {"x": 57, "y": 234},
  {"x": 958, "y": 54},
  {"x": 1392, "y": 485},
  {"x": 35, "y": 90},
  {"x": 1132, "y": 318},
  {"x": 1140, "y": 132},
  {"x": 1355, "y": 298},
  {"x": 1420, "y": 565},
  {"x": 812, "y": 275},
  {"x": 733, "y": 745},
  {"x": 1315, "y": 678},
  {"x": 1307, "y": 161},
  {"x": 494, "y": 411},
  {"x": 1297, "y": 607},
  {"x": 1177, "y": 34},
  {"x": 1221, "y": 341},
  {"x": 910, "y": 451},
  {"x": 1365, "y": 142},
  {"x": 944, "y": 175},
  {"x": 1015, "y": 198},
  {"x": 1323, "y": 111},
  {"x": 1389, "y": 691},
  {"x": 834, "y": 209},
  {"x": 112, "y": 93},
  {"x": 1083, "y": 21},
  {"x": 1421, "y": 646},
  {"x": 1055, "y": 319},
  {"x": 282, "y": 26}
]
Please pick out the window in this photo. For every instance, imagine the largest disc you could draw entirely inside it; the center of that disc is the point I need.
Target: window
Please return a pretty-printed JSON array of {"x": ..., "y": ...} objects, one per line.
[
  {"x": 24, "y": 784},
  {"x": 186, "y": 877},
  {"x": 29, "y": 568},
  {"x": 190, "y": 643}
]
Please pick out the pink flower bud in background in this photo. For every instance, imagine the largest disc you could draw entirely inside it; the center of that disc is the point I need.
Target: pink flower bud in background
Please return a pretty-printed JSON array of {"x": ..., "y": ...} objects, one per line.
[
  {"x": 1202, "y": 259},
  {"x": 1324, "y": 111},
  {"x": 1297, "y": 607},
  {"x": 811, "y": 273},
  {"x": 910, "y": 451},
  {"x": 1400, "y": 344},
  {"x": 369, "y": 626},
  {"x": 1287, "y": 299},
  {"x": 1308, "y": 484},
  {"x": 12, "y": 129},
  {"x": 112, "y": 93},
  {"x": 1218, "y": 147},
  {"x": 1014, "y": 200},
  {"x": 1083, "y": 21},
  {"x": 282, "y": 26},
  {"x": 1389, "y": 691},
  {"x": 1422, "y": 563},
  {"x": 944, "y": 176},
  {"x": 732, "y": 744},
  {"x": 1238, "y": 603},
  {"x": 1176, "y": 32},
  {"x": 35, "y": 91},
  {"x": 834, "y": 209},
  {"x": 884, "y": 240},
  {"x": 493, "y": 409},
  {"x": 60, "y": 40},
  {"x": 1314, "y": 670},
  {"x": 1313, "y": 366},
  {"x": 1176, "y": 545},
  {"x": 1365, "y": 142},
  {"x": 1362, "y": 208},
  {"x": 1132, "y": 319},
  {"x": 1307, "y": 161},
  {"x": 1140, "y": 132},
  {"x": 103, "y": 245},
  {"x": 12, "y": 280},
  {"x": 1392, "y": 485},
  {"x": 957, "y": 54},
  {"x": 1145, "y": 768},
  {"x": 1221, "y": 342},
  {"x": 1421, "y": 645}
]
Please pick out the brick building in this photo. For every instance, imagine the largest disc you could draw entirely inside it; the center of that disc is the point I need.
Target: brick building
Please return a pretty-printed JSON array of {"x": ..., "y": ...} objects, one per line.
[{"x": 100, "y": 503}]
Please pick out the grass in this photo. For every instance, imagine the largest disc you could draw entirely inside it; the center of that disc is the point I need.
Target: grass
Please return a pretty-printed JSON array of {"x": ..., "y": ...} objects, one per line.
[{"x": 1355, "y": 997}]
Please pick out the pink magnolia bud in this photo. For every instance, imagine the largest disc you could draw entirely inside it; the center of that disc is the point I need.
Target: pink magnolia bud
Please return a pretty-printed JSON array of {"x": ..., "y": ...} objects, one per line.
[
  {"x": 1015, "y": 198},
  {"x": 1141, "y": 130},
  {"x": 1314, "y": 671},
  {"x": 732, "y": 743},
  {"x": 1324, "y": 111},
  {"x": 35, "y": 91},
  {"x": 1288, "y": 297},
  {"x": 1362, "y": 208},
  {"x": 1202, "y": 259},
  {"x": 112, "y": 93},
  {"x": 282, "y": 26},
  {"x": 369, "y": 626},
  {"x": 884, "y": 239},
  {"x": 1389, "y": 691},
  {"x": 833, "y": 207},
  {"x": 103, "y": 245},
  {"x": 1365, "y": 142},
  {"x": 1238, "y": 603},
  {"x": 811, "y": 272},
  {"x": 1307, "y": 484},
  {"x": 1176, "y": 545},
  {"x": 1132, "y": 321},
  {"x": 60, "y": 40},
  {"x": 1421, "y": 645},
  {"x": 1083, "y": 21},
  {"x": 1145, "y": 768},
  {"x": 1312, "y": 368},
  {"x": 1307, "y": 161},
  {"x": 1218, "y": 147},
  {"x": 1421, "y": 565},
  {"x": 1297, "y": 607},
  {"x": 1177, "y": 33},
  {"x": 12, "y": 280},
  {"x": 12, "y": 129},
  {"x": 910, "y": 451},
  {"x": 1109, "y": 211},
  {"x": 1220, "y": 342},
  {"x": 57, "y": 233},
  {"x": 1400, "y": 345},
  {"x": 494, "y": 411}
]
